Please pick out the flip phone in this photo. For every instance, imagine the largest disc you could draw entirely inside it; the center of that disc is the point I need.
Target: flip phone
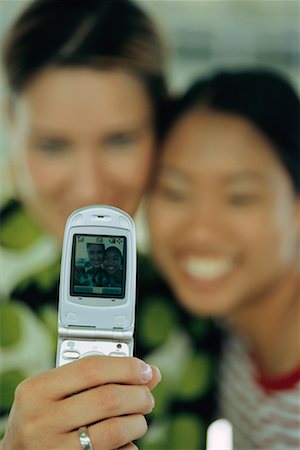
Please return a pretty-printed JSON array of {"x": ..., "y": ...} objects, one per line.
[{"x": 97, "y": 290}]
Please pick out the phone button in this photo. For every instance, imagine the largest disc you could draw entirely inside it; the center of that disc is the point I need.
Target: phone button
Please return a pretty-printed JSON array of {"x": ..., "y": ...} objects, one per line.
[
  {"x": 95, "y": 353},
  {"x": 118, "y": 354},
  {"x": 70, "y": 354}
]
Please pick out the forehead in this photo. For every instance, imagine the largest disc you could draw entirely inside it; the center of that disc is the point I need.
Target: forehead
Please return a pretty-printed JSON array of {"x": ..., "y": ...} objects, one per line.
[
  {"x": 203, "y": 138},
  {"x": 75, "y": 93},
  {"x": 95, "y": 247},
  {"x": 112, "y": 252}
]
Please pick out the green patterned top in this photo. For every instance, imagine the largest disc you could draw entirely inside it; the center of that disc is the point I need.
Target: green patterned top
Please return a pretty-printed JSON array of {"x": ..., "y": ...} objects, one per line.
[{"x": 185, "y": 349}]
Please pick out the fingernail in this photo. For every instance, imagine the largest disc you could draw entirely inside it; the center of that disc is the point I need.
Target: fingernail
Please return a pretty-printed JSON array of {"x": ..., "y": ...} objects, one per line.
[
  {"x": 146, "y": 372},
  {"x": 158, "y": 372}
]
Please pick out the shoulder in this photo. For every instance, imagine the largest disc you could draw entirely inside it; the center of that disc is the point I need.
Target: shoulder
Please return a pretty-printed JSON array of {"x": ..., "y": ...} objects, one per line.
[
  {"x": 18, "y": 229},
  {"x": 29, "y": 257}
]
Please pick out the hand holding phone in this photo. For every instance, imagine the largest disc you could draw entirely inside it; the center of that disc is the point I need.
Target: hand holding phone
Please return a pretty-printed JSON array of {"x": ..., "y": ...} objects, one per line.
[{"x": 96, "y": 316}]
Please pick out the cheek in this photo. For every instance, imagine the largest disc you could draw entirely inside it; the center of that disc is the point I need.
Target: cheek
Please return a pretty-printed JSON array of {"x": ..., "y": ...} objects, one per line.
[
  {"x": 268, "y": 243},
  {"x": 136, "y": 175},
  {"x": 161, "y": 227},
  {"x": 141, "y": 167},
  {"x": 37, "y": 173},
  {"x": 284, "y": 243},
  {"x": 253, "y": 233},
  {"x": 286, "y": 220},
  {"x": 154, "y": 219},
  {"x": 44, "y": 175}
]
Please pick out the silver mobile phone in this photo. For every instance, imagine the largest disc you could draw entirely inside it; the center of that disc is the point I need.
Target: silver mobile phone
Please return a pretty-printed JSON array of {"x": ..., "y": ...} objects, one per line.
[{"x": 97, "y": 285}]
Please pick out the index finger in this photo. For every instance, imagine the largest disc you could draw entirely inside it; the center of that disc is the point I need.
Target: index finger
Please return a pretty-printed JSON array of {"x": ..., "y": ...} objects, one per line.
[{"x": 93, "y": 371}]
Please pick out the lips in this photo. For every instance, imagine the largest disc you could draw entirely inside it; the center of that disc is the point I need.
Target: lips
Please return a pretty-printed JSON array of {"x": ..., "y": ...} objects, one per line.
[{"x": 207, "y": 269}]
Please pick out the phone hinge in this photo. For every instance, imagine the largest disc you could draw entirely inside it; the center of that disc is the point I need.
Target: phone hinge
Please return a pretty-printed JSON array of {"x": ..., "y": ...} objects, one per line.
[
  {"x": 93, "y": 333},
  {"x": 120, "y": 334}
]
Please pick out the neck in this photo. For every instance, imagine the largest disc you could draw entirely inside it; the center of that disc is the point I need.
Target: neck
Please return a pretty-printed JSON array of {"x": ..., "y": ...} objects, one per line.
[{"x": 271, "y": 324}]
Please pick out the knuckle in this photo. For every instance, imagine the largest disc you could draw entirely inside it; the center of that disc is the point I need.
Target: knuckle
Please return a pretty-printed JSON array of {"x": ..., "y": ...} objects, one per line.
[
  {"x": 90, "y": 368},
  {"x": 110, "y": 399},
  {"x": 23, "y": 392},
  {"x": 116, "y": 433}
]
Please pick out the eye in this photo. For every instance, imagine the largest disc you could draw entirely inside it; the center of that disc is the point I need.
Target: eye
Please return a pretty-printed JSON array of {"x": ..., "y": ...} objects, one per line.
[
  {"x": 51, "y": 145},
  {"x": 121, "y": 139},
  {"x": 170, "y": 193},
  {"x": 243, "y": 199}
]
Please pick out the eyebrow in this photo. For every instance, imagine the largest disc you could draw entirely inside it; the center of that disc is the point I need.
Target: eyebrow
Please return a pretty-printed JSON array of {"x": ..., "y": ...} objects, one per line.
[
  {"x": 245, "y": 176},
  {"x": 37, "y": 131},
  {"x": 126, "y": 128},
  {"x": 241, "y": 176}
]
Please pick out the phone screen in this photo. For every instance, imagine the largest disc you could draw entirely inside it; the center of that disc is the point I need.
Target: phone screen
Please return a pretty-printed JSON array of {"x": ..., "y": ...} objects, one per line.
[{"x": 98, "y": 266}]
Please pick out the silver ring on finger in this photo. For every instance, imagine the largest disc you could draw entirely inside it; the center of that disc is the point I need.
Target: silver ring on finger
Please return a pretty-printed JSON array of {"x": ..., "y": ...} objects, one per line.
[{"x": 84, "y": 439}]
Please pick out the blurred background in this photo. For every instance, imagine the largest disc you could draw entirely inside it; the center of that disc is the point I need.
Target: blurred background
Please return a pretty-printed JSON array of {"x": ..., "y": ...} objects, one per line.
[{"x": 204, "y": 35}]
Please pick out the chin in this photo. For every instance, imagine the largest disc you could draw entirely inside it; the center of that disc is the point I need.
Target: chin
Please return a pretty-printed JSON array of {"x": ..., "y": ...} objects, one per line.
[{"x": 202, "y": 305}]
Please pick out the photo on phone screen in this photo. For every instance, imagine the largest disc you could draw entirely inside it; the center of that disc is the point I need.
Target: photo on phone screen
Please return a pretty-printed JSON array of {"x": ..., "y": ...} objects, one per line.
[{"x": 98, "y": 266}]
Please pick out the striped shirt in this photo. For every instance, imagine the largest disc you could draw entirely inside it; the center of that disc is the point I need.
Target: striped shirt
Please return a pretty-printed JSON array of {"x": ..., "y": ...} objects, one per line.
[{"x": 264, "y": 412}]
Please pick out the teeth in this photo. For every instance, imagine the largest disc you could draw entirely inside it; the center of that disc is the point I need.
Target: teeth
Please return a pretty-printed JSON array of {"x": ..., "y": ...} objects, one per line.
[{"x": 207, "y": 268}]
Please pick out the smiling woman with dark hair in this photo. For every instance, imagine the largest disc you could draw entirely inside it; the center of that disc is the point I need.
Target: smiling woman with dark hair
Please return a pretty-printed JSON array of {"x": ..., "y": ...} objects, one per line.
[
  {"x": 112, "y": 264},
  {"x": 224, "y": 217}
]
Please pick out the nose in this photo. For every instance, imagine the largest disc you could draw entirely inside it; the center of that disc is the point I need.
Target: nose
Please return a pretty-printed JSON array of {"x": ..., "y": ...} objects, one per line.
[
  {"x": 206, "y": 222},
  {"x": 89, "y": 180}
]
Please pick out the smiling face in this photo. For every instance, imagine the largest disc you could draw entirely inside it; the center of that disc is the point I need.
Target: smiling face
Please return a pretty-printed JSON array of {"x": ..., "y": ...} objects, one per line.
[
  {"x": 112, "y": 261},
  {"x": 81, "y": 137},
  {"x": 223, "y": 214},
  {"x": 95, "y": 254}
]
